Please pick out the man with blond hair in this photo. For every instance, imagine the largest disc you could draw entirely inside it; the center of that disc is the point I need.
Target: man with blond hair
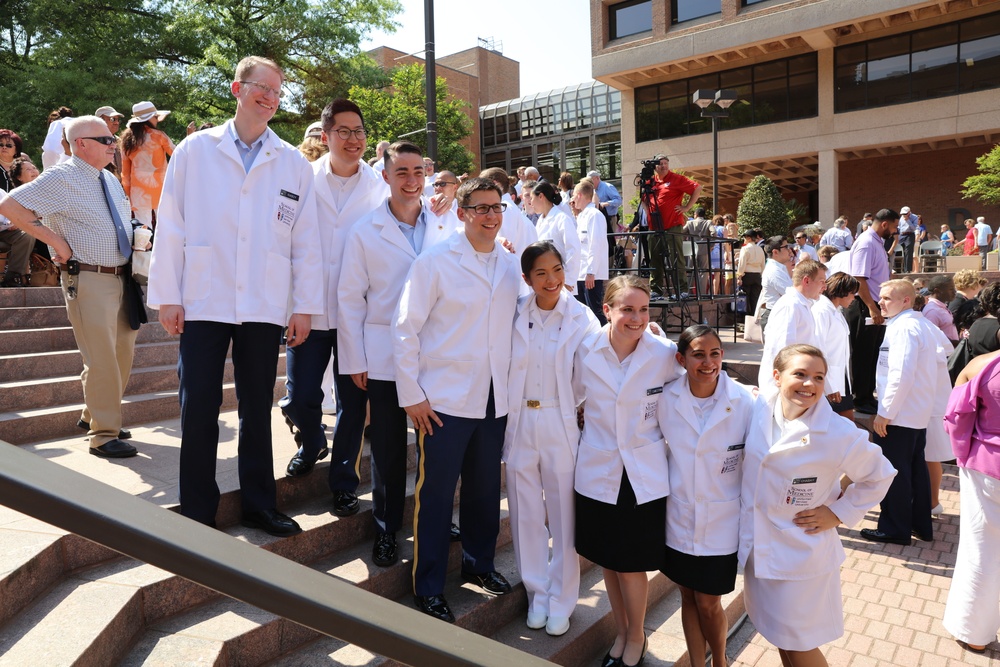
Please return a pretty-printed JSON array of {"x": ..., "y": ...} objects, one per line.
[
  {"x": 911, "y": 371},
  {"x": 791, "y": 319},
  {"x": 233, "y": 282}
]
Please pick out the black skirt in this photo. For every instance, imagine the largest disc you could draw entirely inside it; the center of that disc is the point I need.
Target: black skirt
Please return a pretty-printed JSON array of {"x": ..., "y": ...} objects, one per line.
[
  {"x": 624, "y": 537},
  {"x": 711, "y": 575}
]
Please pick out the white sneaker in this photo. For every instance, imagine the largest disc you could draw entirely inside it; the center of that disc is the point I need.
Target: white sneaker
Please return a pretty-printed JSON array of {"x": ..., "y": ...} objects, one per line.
[
  {"x": 938, "y": 510},
  {"x": 557, "y": 625},
  {"x": 536, "y": 620}
]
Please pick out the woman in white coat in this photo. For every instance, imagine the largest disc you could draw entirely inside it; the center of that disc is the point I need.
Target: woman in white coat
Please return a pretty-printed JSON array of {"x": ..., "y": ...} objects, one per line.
[
  {"x": 704, "y": 416},
  {"x": 791, "y": 504},
  {"x": 554, "y": 225},
  {"x": 542, "y": 437},
  {"x": 833, "y": 335},
  {"x": 621, "y": 468}
]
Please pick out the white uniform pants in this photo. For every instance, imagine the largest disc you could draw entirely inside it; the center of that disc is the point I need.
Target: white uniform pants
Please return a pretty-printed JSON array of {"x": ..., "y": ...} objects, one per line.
[
  {"x": 540, "y": 482},
  {"x": 973, "y": 610}
]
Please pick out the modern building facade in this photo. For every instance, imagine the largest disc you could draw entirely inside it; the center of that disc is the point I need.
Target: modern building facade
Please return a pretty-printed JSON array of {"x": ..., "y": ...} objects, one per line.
[
  {"x": 848, "y": 105},
  {"x": 574, "y": 129}
]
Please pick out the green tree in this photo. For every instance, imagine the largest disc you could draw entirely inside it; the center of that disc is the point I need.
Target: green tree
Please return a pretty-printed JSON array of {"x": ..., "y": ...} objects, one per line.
[
  {"x": 401, "y": 108},
  {"x": 762, "y": 207},
  {"x": 985, "y": 186}
]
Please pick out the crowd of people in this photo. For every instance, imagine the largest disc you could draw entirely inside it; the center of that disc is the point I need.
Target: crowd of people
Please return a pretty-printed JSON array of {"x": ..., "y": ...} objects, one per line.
[{"x": 480, "y": 310}]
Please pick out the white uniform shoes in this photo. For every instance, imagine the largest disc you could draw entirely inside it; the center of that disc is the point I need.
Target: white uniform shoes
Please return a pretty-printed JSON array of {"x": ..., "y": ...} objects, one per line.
[{"x": 557, "y": 625}]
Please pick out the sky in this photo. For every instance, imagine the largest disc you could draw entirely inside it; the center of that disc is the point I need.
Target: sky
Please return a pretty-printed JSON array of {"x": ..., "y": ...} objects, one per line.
[{"x": 551, "y": 43}]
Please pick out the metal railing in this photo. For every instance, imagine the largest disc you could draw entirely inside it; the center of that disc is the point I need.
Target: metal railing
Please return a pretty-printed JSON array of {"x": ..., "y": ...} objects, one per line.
[{"x": 76, "y": 503}]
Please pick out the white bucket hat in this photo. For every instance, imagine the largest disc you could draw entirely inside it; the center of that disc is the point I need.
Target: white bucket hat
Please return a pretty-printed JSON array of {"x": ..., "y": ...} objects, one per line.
[{"x": 143, "y": 111}]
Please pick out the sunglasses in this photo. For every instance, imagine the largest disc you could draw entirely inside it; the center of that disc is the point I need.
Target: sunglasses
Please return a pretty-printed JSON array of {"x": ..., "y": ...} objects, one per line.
[
  {"x": 7, "y": 146},
  {"x": 441, "y": 184},
  {"x": 107, "y": 141}
]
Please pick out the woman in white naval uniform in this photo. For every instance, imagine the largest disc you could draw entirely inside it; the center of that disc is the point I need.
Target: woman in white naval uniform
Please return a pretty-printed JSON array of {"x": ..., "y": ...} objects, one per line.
[
  {"x": 554, "y": 225},
  {"x": 621, "y": 467},
  {"x": 542, "y": 437},
  {"x": 833, "y": 336},
  {"x": 704, "y": 416},
  {"x": 791, "y": 505}
]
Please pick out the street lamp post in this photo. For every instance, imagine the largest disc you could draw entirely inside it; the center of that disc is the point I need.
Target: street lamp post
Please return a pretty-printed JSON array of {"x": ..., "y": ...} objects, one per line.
[{"x": 722, "y": 99}]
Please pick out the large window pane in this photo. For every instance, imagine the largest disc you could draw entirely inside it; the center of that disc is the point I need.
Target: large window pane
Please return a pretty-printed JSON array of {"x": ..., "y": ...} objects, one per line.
[
  {"x": 803, "y": 99},
  {"x": 630, "y": 18},
  {"x": 770, "y": 101},
  {"x": 608, "y": 158},
  {"x": 548, "y": 161},
  {"x": 934, "y": 63},
  {"x": 498, "y": 159},
  {"x": 578, "y": 157},
  {"x": 673, "y": 117},
  {"x": 685, "y": 10},
  {"x": 979, "y": 53}
]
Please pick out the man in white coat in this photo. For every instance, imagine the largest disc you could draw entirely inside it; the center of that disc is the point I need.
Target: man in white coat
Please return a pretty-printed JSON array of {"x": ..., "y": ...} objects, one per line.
[
  {"x": 378, "y": 253},
  {"x": 911, "y": 369},
  {"x": 347, "y": 190},
  {"x": 776, "y": 277},
  {"x": 452, "y": 345},
  {"x": 591, "y": 227},
  {"x": 516, "y": 229},
  {"x": 237, "y": 242},
  {"x": 791, "y": 319}
]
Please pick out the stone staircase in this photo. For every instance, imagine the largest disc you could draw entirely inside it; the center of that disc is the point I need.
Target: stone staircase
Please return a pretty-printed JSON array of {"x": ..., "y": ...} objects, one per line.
[{"x": 67, "y": 601}]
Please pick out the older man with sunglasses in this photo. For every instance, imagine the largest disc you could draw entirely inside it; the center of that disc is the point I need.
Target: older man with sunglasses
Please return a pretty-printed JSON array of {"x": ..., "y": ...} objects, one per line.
[{"x": 87, "y": 227}]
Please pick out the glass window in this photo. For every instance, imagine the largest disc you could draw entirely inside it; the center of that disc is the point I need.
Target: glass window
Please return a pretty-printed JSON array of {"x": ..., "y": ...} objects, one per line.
[
  {"x": 520, "y": 157},
  {"x": 498, "y": 159},
  {"x": 979, "y": 53},
  {"x": 608, "y": 156},
  {"x": 489, "y": 132},
  {"x": 578, "y": 156},
  {"x": 548, "y": 161},
  {"x": 934, "y": 64},
  {"x": 630, "y": 18},
  {"x": 685, "y": 10},
  {"x": 889, "y": 71}
]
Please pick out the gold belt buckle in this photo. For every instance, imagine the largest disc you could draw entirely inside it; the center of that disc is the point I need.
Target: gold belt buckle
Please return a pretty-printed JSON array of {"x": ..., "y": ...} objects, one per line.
[{"x": 534, "y": 404}]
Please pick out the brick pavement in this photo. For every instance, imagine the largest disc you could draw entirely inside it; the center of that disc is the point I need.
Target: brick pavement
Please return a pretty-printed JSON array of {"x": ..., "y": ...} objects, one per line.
[{"x": 894, "y": 599}]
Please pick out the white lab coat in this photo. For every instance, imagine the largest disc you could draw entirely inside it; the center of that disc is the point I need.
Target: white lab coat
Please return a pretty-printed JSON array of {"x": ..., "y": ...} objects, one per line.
[
  {"x": 335, "y": 223},
  {"x": 620, "y": 429},
  {"x": 540, "y": 447},
  {"x": 593, "y": 231},
  {"x": 791, "y": 322},
  {"x": 440, "y": 227},
  {"x": 231, "y": 246},
  {"x": 912, "y": 371},
  {"x": 578, "y": 322},
  {"x": 452, "y": 330},
  {"x": 706, "y": 466},
  {"x": 561, "y": 230},
  {"x": 516, "y": 228},
  {"x": 799, "y": 471},
  {"x": 377, "y": 258},
  {"x": 832, "y": 336}
]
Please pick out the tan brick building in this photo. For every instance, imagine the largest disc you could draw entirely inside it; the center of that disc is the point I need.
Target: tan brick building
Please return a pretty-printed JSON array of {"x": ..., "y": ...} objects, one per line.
[
  {"x": 477, "y": 76},
  {"x": 849, "y": 106}
]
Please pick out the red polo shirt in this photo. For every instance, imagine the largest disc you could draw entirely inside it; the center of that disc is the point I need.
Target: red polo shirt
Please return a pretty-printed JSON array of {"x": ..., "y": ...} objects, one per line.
[{"x": 669, "y": 194}]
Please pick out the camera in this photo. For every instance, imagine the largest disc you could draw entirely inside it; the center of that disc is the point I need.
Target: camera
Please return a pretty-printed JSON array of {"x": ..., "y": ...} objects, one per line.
[{"x": 644, "y": 181}]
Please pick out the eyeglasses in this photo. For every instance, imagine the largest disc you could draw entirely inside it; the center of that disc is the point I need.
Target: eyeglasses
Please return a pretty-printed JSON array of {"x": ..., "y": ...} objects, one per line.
[
  {"x": 107, "y": 141},
  {"x": 7, "y": 146},
  {"x": 441, "y": 184},
  {"x": 264, "y": 88},
  {"x": 800, "y": 238},
  {"x": 483, "y": 209},
  {"x": 345, "y": 133}
]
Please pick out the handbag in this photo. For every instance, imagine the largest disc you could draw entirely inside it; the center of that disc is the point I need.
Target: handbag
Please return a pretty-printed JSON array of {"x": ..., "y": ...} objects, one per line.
[
  {"x": 140, "y": 266},
  {"x": 959, "y": 359},
  {"x": 43, "y": 272}
]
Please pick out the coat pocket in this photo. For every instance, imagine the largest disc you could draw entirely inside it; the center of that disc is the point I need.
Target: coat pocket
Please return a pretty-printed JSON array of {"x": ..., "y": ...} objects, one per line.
[
  {"x": 278, "y": 279},
  {"x": 197, "y": 273}
]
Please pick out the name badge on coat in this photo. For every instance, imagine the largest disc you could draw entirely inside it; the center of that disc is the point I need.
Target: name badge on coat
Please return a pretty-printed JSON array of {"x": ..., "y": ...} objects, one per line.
[{"x": 286, "y": 207}]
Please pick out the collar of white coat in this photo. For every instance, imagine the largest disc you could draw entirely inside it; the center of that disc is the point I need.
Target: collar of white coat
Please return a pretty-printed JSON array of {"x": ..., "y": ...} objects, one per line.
[
  {"x": 793, "y": 293},
  {"x": 604, "y": 353},
  {"x": 815, "y": 420},
  {"x": 269, "y": 150},
  {"x": 388, "y": 227},
  {"x": 322, "y": 169},
  {"x": 725, "y": 392}
]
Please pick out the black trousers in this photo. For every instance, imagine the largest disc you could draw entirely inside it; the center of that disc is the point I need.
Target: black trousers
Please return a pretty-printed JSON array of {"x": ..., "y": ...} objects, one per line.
[
  {"x": 865, "y": 341},
  {"x": 388, "y": 442},
  {"x": 752, "y": 287},
  {"x": 907, "y": 504}
]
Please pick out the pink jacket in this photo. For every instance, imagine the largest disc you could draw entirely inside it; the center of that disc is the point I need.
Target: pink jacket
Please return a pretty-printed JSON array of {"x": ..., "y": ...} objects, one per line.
[{"x": 972, "y": 421}]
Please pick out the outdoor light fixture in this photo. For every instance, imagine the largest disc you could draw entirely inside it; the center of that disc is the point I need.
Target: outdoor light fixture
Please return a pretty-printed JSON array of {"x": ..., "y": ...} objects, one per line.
[{"x": 722, "y": 99}]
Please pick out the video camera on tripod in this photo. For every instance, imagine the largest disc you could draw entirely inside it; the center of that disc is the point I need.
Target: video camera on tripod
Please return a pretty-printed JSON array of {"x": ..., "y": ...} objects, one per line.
[{"x": 644, "y": 181}]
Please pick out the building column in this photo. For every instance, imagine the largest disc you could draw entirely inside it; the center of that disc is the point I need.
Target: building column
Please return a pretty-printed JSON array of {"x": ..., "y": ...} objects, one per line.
[{"x": 829, "y": 187}]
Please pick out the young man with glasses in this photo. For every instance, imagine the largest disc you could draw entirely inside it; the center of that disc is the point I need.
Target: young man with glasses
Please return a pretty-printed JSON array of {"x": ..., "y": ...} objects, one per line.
[
  {"x": 451, "y": 340},
  {"x": 237, "y": 249},
  {"x": 113, "y": 119},
  {"x": 776, "y": 277},
  {"x": 91, "y": 242},
  {"x": 804, "y": 250}
]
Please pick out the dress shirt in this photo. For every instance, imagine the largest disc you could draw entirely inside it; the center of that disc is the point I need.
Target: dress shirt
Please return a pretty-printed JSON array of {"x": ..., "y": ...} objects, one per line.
[
  {"x": 907, "y": 223},
  {"x": 752, "y": 259},
  {"x": 607, "y": 193},
  {"x": 937, "y": 313},
  {"x": 775, "y": 279},
  {"x": 839, "y": 238},
  {"x": 414, "y": 233},
  {"x": 543, "y": 348},
  {"x": 70, "y": 199},
  {"x": 869, "y": 261},
  {"x": 247, "y": 153}
]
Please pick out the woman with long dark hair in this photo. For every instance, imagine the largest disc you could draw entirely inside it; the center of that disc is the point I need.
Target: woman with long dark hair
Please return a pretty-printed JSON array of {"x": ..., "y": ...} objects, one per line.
[{"x": 144, "y": 160}]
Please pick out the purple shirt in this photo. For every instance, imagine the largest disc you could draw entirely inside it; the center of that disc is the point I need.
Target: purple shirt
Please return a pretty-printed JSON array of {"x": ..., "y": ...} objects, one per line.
[{"x": 869, "y": 261}]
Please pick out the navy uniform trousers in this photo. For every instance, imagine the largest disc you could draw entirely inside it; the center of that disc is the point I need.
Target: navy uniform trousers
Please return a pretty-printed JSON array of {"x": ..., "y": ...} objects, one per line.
[
  {"x": 201, "y": 366},
  {"x": 388, "y": 441},
  {"x": 906, "y": 507},
  {"x": 470, "y": 449},
  {"x": 303, "y": 404}
]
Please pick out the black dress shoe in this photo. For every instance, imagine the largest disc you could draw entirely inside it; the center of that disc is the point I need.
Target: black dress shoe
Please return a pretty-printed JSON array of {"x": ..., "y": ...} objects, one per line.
[
  {"x": 123, "y": 434},
  {"x": 491, "y": 582},
  {"x": 114, "y": 449},
  {"x": 436, "y": 606},
  {"x": 608, "y": 661},
  {"x": 299, "y": 465},
  {"x": 455, "y": 534},
  {"x": 271, "y": 522},
  {"x": 879, "y": 536},
  {"x": 921, "y": 537},
  {"x": 345, "y": 503},
  {"x": 384, "y": 553}
]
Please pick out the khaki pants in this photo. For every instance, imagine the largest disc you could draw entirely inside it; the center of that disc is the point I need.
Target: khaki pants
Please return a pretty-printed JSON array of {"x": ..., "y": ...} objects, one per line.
[{"x": 106, "y": 342}]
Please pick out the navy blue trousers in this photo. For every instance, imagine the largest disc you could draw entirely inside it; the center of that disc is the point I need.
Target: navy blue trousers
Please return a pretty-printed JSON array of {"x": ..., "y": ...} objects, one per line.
[
  {"x": 469, "y": 448},
  {"x": 592, "y": 298},
  {"x": 388, "y": 442},
  {"x": 200, "y": 366},
  {"x": 906, "y": 507},
  {"x": 303, "y": 403}
]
